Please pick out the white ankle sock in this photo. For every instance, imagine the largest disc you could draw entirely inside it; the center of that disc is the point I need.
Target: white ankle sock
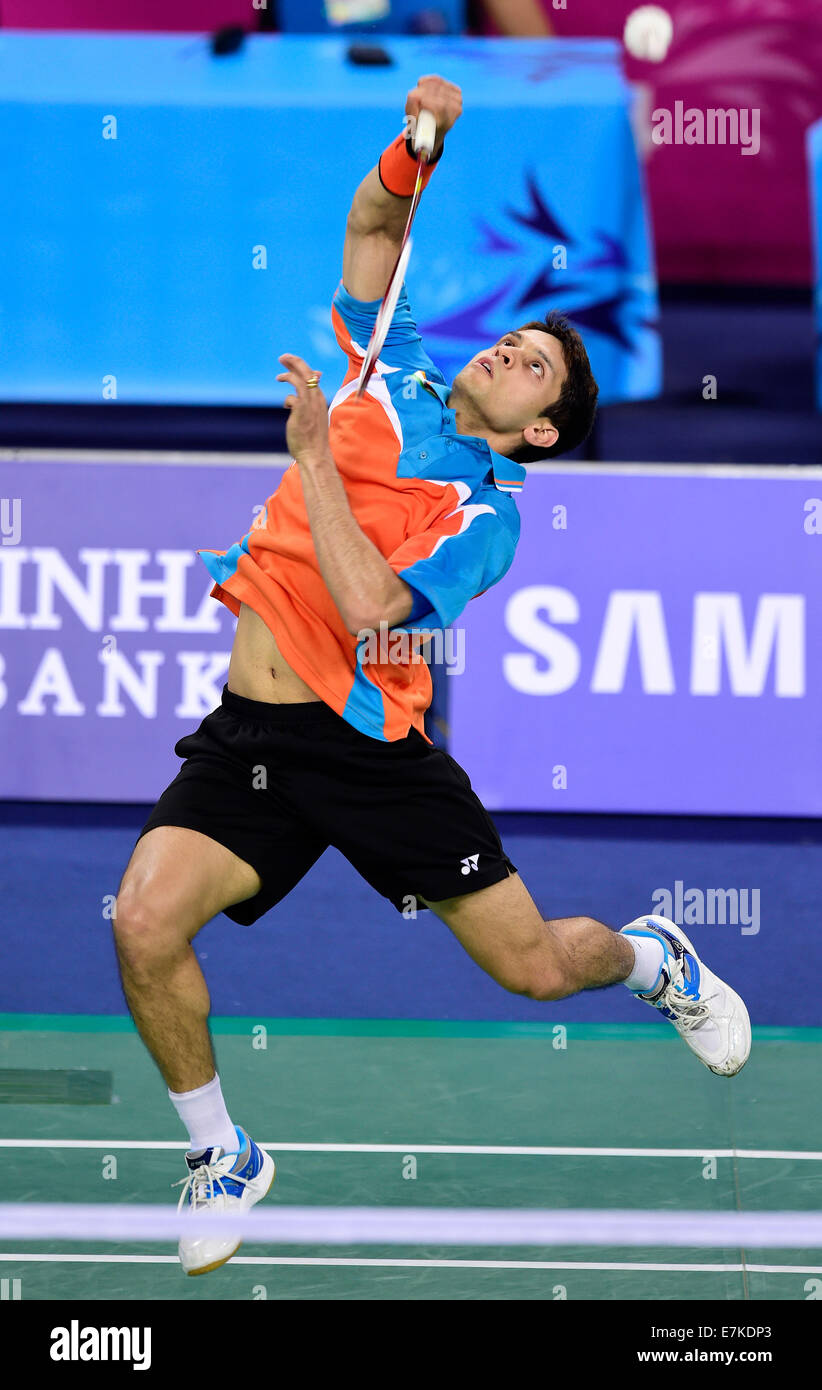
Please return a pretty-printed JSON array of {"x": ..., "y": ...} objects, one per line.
[
  {"x": 650, "y": 954},
  {"x": 205, "y": 1117}
]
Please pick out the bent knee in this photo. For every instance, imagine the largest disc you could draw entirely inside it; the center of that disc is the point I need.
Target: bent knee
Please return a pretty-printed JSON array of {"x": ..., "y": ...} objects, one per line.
[
  {"x": 144, "y": 928},
  {"x": 536, "y": 979},
  {"x": 546, "y": 987}
]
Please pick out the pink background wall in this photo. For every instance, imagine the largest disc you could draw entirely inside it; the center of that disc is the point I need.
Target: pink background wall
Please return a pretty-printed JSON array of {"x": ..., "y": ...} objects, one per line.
[
  {"x": 171, "y": 15},
  {"x": 718, "y": 215}
]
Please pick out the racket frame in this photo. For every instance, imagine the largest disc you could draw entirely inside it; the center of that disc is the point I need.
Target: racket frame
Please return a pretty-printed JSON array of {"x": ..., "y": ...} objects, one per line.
[{"x": 424, "y": 138}]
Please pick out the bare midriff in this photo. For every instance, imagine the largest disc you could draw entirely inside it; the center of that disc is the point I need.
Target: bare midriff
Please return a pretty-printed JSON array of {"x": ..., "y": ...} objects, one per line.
[{"x": 258, "y": 670}]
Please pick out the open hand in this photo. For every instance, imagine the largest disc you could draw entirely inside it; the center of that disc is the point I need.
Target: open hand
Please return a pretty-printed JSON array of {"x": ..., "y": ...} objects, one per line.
[{"x": 307, "y": 429}]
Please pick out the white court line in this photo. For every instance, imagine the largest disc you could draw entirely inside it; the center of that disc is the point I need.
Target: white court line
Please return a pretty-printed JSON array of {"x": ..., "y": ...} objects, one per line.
[
  {"x": 421, "y": 1226},
  {"x": 538, "y": 1151},
  {"x": 610, "y": 1265}
]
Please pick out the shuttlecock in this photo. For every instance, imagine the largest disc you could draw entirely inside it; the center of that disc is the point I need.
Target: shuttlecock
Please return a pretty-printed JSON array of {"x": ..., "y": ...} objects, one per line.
[{"x": 648, "y": 33}]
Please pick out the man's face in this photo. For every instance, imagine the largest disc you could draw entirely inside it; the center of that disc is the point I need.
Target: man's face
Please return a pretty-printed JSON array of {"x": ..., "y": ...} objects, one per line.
[{"x": 511, "y": 384}]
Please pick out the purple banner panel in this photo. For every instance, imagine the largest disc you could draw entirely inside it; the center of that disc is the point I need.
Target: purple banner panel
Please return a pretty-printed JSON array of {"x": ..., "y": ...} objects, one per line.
[
  {"x": 110, "y": 648},
  {"x": 655, "y": 647}
]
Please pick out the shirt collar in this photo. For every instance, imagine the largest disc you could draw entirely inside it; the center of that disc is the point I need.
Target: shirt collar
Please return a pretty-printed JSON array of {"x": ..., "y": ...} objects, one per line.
[{"x": 509, "y": 476}]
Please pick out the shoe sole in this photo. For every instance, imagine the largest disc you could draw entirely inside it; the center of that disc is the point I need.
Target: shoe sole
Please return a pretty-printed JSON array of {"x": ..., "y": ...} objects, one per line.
[
  {"x": 739, "y": 1004},
  {"x": 216, "y": 1264}
]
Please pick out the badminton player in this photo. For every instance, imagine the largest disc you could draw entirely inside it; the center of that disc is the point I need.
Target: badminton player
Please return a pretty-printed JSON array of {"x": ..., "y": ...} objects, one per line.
[{"x": 398, "y": 509}]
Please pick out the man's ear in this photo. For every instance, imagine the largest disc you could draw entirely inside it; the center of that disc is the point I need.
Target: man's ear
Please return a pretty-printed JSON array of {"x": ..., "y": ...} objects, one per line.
[{"x": 542, "y": 434}]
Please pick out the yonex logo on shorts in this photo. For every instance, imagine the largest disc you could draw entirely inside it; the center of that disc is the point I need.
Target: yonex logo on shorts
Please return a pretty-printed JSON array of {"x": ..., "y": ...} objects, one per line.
[{"x": 469, "y": 864}]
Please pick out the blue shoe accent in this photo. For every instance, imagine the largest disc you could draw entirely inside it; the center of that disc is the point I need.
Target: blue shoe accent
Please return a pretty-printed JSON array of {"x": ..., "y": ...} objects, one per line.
[
  {"x": 692, "y": 987},
  {"x": 246, "y": 1165},
  {"x": 691, "y": 974},
  {"x": 672, "y": 946}
]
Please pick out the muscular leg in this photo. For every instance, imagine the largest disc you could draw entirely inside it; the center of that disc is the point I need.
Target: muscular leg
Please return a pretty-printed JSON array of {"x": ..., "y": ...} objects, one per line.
[
  {"x": 176, "y": 881},
  {"x": 502, "y": 929}
]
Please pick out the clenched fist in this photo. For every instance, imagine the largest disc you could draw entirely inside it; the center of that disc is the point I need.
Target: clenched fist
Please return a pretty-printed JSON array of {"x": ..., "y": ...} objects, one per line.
[{"x": 444, "y": 101}]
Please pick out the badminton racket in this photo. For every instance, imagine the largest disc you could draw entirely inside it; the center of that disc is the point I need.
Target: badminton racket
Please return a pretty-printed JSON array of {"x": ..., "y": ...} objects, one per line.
[{"x": 425, "y": 136}]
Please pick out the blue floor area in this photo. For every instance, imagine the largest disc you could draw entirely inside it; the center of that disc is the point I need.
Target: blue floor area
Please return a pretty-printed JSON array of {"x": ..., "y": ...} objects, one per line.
[{"x": 336, "y": 949}]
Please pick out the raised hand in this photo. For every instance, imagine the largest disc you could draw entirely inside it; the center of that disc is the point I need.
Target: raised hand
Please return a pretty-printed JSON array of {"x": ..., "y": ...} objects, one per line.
[
  {"x": 443, "y": 99},
  {"x": 307, "y": 428}
]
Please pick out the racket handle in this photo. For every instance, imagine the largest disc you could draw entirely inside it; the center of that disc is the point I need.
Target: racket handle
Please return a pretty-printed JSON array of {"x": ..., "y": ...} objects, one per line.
[{"x": 425, "y": 135}]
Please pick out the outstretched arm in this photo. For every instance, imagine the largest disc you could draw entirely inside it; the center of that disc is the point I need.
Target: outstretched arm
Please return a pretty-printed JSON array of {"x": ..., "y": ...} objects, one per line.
[
  {"x": 377, "y": 218},
  {"x": 364, "y": 587}
]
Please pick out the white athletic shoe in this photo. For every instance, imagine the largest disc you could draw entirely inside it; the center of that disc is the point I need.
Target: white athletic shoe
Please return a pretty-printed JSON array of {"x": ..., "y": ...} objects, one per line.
[
  {"x": 705, "y": 1012},
  {"x": 221, "y": 1182}
]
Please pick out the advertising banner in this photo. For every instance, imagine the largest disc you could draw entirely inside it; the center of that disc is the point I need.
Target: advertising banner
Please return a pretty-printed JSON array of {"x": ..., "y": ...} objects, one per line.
[
  {"x": 110, "y": 646},
  {"x": 655, "y": 647}
]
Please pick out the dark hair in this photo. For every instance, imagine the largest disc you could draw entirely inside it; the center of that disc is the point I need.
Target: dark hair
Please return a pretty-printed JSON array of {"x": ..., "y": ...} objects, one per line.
[{"x": 574, "y": 410}]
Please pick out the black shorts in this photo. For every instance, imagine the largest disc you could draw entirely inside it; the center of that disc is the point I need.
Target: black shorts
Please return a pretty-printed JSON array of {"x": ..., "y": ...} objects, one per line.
[{"x": 278, "y": 784}]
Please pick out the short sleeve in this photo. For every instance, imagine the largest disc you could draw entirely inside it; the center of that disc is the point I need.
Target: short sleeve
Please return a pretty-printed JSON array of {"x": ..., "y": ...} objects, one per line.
[
  {"x": 354, "y": 319},
  {"x": 467, "y": 553}
]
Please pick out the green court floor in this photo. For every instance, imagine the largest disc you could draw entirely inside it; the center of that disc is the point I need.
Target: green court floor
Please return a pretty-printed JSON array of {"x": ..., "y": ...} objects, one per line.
[{"x": 420, "y": 1086}]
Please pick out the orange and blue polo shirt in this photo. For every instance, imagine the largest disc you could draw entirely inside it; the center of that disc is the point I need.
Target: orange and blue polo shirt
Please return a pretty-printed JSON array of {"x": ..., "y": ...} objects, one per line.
[{"x": 438, "y": 505}]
